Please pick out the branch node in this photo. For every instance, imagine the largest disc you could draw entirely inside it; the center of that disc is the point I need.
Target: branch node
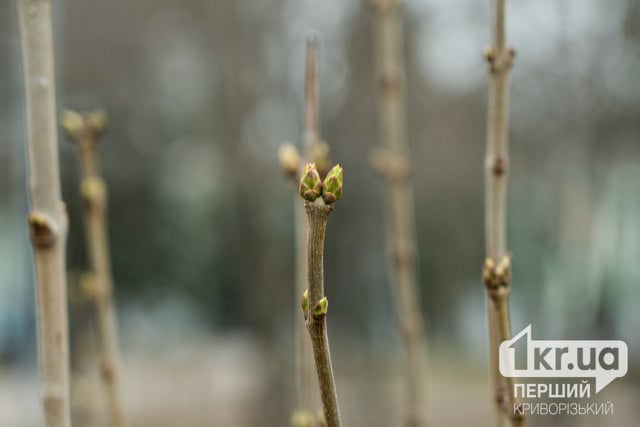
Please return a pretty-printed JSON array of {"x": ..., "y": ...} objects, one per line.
[
  {"x": 390, "y": 79},
  {"x": 499, "y": 61},
  {"x": 395, "y": 167},
  {"x": 93, "y": 191},
  {"x": 499, "y": 165},
  {"x": 403, "y": 253},
  {"x": 42, "y": 230},
  {"x": 497, "y": 275}
]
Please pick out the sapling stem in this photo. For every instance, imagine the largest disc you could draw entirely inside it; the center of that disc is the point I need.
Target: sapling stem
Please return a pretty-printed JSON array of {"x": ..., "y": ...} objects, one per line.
[
  {"x": 392, "y": 161},
  {"x": 47, "y": 218},
  {"x": 500, "y": 59},
  {"x": 320, "y": 197},
  {"x": 85, "y": 131},
  {"x": 290, "y": 160}
]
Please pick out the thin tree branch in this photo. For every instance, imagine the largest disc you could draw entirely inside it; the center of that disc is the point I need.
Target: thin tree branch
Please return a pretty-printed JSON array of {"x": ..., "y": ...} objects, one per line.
[
  {"x": 305, "y": 414},
  {"x": 317, "y": 214},
  {"x": 392, "y": 161},
  {"x": 47, "y": 219},
  {"x": 320, "y": 197},
  {"x": 500, "y": 59},
  {"x": 85, "y": 130},
  {"x": 316, "y": 151}
]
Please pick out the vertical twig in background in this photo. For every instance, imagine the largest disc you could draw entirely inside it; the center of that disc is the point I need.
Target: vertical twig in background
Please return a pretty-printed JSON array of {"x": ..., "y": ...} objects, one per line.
[
  {"x": 496, "y": 272},
  {"x": 84, "y": 131},
  {"x": 320, "y": 197},
  {"x": 47, "y": 219},
  {"x": 392, "y": 161}
]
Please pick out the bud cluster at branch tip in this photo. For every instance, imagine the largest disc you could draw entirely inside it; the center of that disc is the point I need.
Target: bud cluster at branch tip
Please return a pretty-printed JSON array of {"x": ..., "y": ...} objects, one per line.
[
  {"x": 311, "y": 187},
  {"x": 497, "y": 274},
  {"x": 77, "y": 125}
]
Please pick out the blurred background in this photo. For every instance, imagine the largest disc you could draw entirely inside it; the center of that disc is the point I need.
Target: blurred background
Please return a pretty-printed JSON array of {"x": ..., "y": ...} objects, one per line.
[{"x": 200, "y": 94}]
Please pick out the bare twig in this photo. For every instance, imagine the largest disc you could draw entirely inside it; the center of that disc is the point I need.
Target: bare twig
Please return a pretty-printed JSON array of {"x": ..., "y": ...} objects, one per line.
[
  {"x": 313, "y": 150},
  {"x": 47, "y": 219},
  {"x": 392, "y": 162},
  {"x": 84, "y": 131},
  {"x": 500, "y": 59},
  {"x": 320, "y": 197}
]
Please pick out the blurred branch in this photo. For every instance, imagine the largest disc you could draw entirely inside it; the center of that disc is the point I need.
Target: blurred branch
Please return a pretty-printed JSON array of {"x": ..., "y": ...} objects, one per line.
[
  {"x": 311, "y": 113},
  {"x": 48, "y": 218},
  {"x": 392, "y": 162},
  {"x": 84, "y": 131},
  {"x": 500, "y": 59}
]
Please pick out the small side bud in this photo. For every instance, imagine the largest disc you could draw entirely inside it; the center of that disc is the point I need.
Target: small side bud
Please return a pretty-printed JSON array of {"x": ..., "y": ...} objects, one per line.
[
  {"x": 310, "y": 184},
  {"x": 320, "y": 156},
  {"x": 289, "y": 159},
  {"x": 504, "y": 265},
  {"x": 302, "y": 418},
  {"x": 321, "y": 307},
  {"x": 96, "y": 121},
  {"x": 42, "y": 233},
  {"x": 488, "y": 54},
  {"x": 88, "y": 284},
  {"x": 489, "y": 273},
  {"x": 93, "y": 190},
  {"x": 305, "y": 301},
  {"x": 332, "y": 185},
  {"x": 489, "y": 264},
  {"x": 72, "y": 123},
  {"x": 503, "y": 270}
]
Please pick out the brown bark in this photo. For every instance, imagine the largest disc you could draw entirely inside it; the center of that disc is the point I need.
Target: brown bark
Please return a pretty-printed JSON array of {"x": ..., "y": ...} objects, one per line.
[
  {"x": 317, "y": 215},
  {"x": 500, "y": 59}
]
